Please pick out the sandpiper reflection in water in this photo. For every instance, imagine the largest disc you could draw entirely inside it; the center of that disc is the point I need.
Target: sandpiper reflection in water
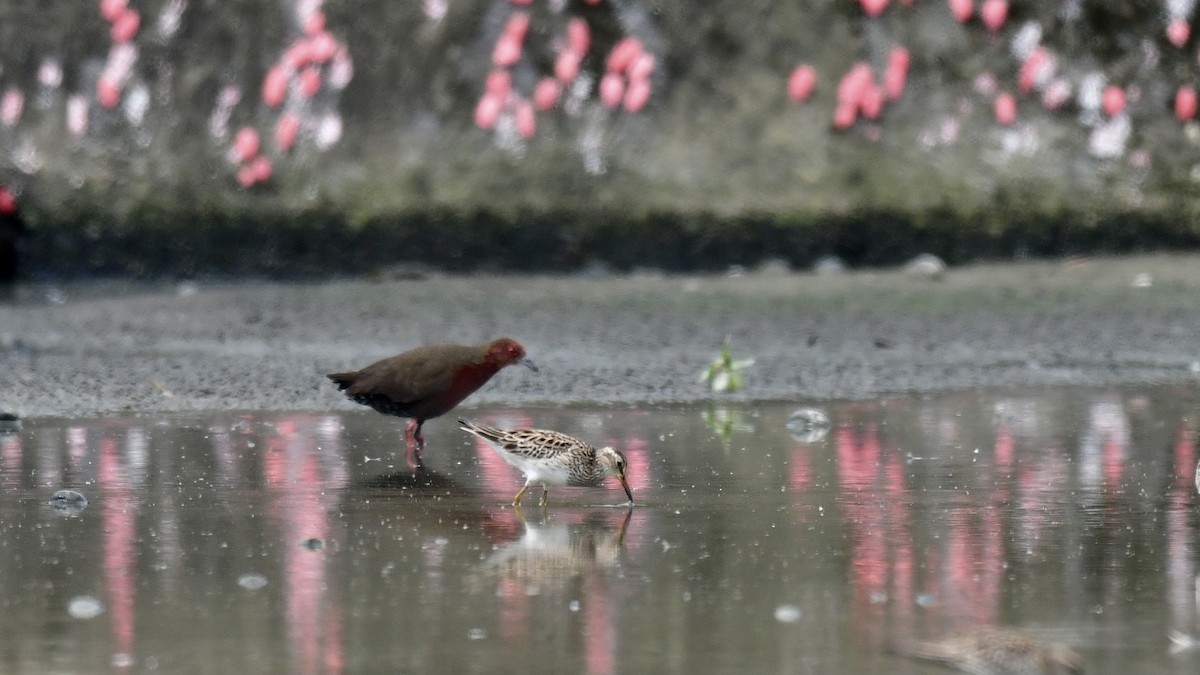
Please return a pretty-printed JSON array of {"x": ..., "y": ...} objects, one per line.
[
  {"x": 550, "y": 552},
  {"x": 999, "y": 651}
]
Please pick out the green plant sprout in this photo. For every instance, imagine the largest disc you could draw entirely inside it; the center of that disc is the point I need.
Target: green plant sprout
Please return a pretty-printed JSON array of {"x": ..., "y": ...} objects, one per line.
[{"x": 724, "y": 373}]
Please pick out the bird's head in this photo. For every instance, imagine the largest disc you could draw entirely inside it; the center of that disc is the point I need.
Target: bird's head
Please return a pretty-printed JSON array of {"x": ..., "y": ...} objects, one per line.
[
  {"x": 506, "y": 351},
  {"x": 614, "y": 464}
]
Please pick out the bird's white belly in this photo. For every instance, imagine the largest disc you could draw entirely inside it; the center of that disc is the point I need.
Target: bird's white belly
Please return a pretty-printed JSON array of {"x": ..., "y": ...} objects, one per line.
[{"x": 539, "y": 472}]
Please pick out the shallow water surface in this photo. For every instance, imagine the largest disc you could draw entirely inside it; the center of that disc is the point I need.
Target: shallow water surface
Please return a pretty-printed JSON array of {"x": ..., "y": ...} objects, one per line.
[{"x": 300, "y": 543}]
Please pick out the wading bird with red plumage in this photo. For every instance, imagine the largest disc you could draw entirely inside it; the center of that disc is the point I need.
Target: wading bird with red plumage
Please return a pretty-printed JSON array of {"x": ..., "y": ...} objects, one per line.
[{"x": 428, "y": 382}]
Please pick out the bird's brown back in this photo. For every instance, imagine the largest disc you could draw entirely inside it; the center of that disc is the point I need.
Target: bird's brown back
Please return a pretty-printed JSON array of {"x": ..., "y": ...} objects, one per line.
[
  {"x": 423, "y": 382},
  {"x": 530, "y": 443}
]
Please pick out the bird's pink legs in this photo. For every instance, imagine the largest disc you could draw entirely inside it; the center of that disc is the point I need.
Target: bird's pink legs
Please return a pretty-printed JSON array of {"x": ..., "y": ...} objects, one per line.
[{"x": 415, "y": 444}]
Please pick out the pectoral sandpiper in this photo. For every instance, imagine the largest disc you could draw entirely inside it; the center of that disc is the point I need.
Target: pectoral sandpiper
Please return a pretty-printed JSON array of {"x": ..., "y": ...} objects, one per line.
[{"x": 552, "y": 458}]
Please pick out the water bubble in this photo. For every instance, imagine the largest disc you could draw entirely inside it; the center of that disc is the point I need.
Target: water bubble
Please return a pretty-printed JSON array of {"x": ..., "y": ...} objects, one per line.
[
  {"x": 55, "y": 296},
  {"x": 573, "y": 605},
  {"x": 122, "y": 660},
  {"x": 476, "y": 634},
  {"x": 252, "y": 581},
  {"x": 828, "y": 266},
  {"x": 808, "y": 424},
  {"x": 926, "y": 266},
  {"x": 68, "y": 500},
  {"x": 85, "y": 607},
  {"x": 787, "y": 614}
]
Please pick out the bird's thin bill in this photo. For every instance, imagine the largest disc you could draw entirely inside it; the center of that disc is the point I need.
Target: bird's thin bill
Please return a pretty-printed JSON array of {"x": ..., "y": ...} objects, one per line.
[
  {"x": 628, "y": 492},
  {"x": 529, "y": 364}
]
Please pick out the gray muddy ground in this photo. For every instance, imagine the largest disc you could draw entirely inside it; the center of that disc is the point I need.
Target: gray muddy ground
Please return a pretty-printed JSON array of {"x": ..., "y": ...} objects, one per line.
[{"x": 621, "y": 340}]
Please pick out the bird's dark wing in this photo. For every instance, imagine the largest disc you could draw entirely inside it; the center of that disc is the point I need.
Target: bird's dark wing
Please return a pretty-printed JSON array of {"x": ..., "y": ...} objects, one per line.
[{"x": 409, "y": 377}]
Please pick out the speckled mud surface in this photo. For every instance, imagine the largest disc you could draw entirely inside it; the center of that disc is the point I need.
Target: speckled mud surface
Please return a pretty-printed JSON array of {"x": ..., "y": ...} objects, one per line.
[{"x": 98, "y": 348}]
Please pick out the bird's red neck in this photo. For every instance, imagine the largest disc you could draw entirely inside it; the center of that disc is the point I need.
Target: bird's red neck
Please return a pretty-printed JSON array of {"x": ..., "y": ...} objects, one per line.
[{"x": 467, "y": 379}]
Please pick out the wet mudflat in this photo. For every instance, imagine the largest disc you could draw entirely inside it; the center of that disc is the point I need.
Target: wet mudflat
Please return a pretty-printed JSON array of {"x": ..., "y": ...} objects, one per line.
[
  {"x": 119, "y": 348},
  {"x": 300, "y": 543}
]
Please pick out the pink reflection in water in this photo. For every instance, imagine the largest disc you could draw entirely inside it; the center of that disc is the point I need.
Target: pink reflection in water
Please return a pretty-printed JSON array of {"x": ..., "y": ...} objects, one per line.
[
  {"x": 1037, "y": 482},
  {"x": 513, "y": 610},
  {"x": 119, "y": 556},
  {"x": 857, "y": 461},
  {"x": 1104, "y": 445},
  {"x": 1181, "y": 546},
  {"x": 1005, "y": 451},
  {"x": 971, "y": 577},
  {"x": 900, "y": 529},
  {"x": 10, "y": 459},
  {"x": 304, "y": 570},
  {"x": 881, "y": 564},
  {"x": 502, "y": 525},
  {"x": 638, "y": 474},
  {"x": 599, "y": 631},
  {"x": 1184, "y": 453},
  {"x": 498, "y": 475},
  {"x": 963, "y": 572},
  {"x": 800, "y": 471},
  {"x": 1181, "y": 561},
  {"x": 800, "y": 479},
  {"x": 304, "y": 478}
]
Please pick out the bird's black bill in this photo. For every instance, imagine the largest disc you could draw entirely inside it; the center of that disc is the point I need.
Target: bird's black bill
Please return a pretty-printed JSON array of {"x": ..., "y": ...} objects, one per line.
[
  {"x": 529, "y": 364},
  {"x": 628, "y": 493}
]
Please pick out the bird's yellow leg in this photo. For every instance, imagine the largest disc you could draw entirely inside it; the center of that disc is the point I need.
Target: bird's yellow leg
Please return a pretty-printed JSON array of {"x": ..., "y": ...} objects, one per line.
[
  {"x": 545, "y": 495},
  {"x": 517, "y": 499}
]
